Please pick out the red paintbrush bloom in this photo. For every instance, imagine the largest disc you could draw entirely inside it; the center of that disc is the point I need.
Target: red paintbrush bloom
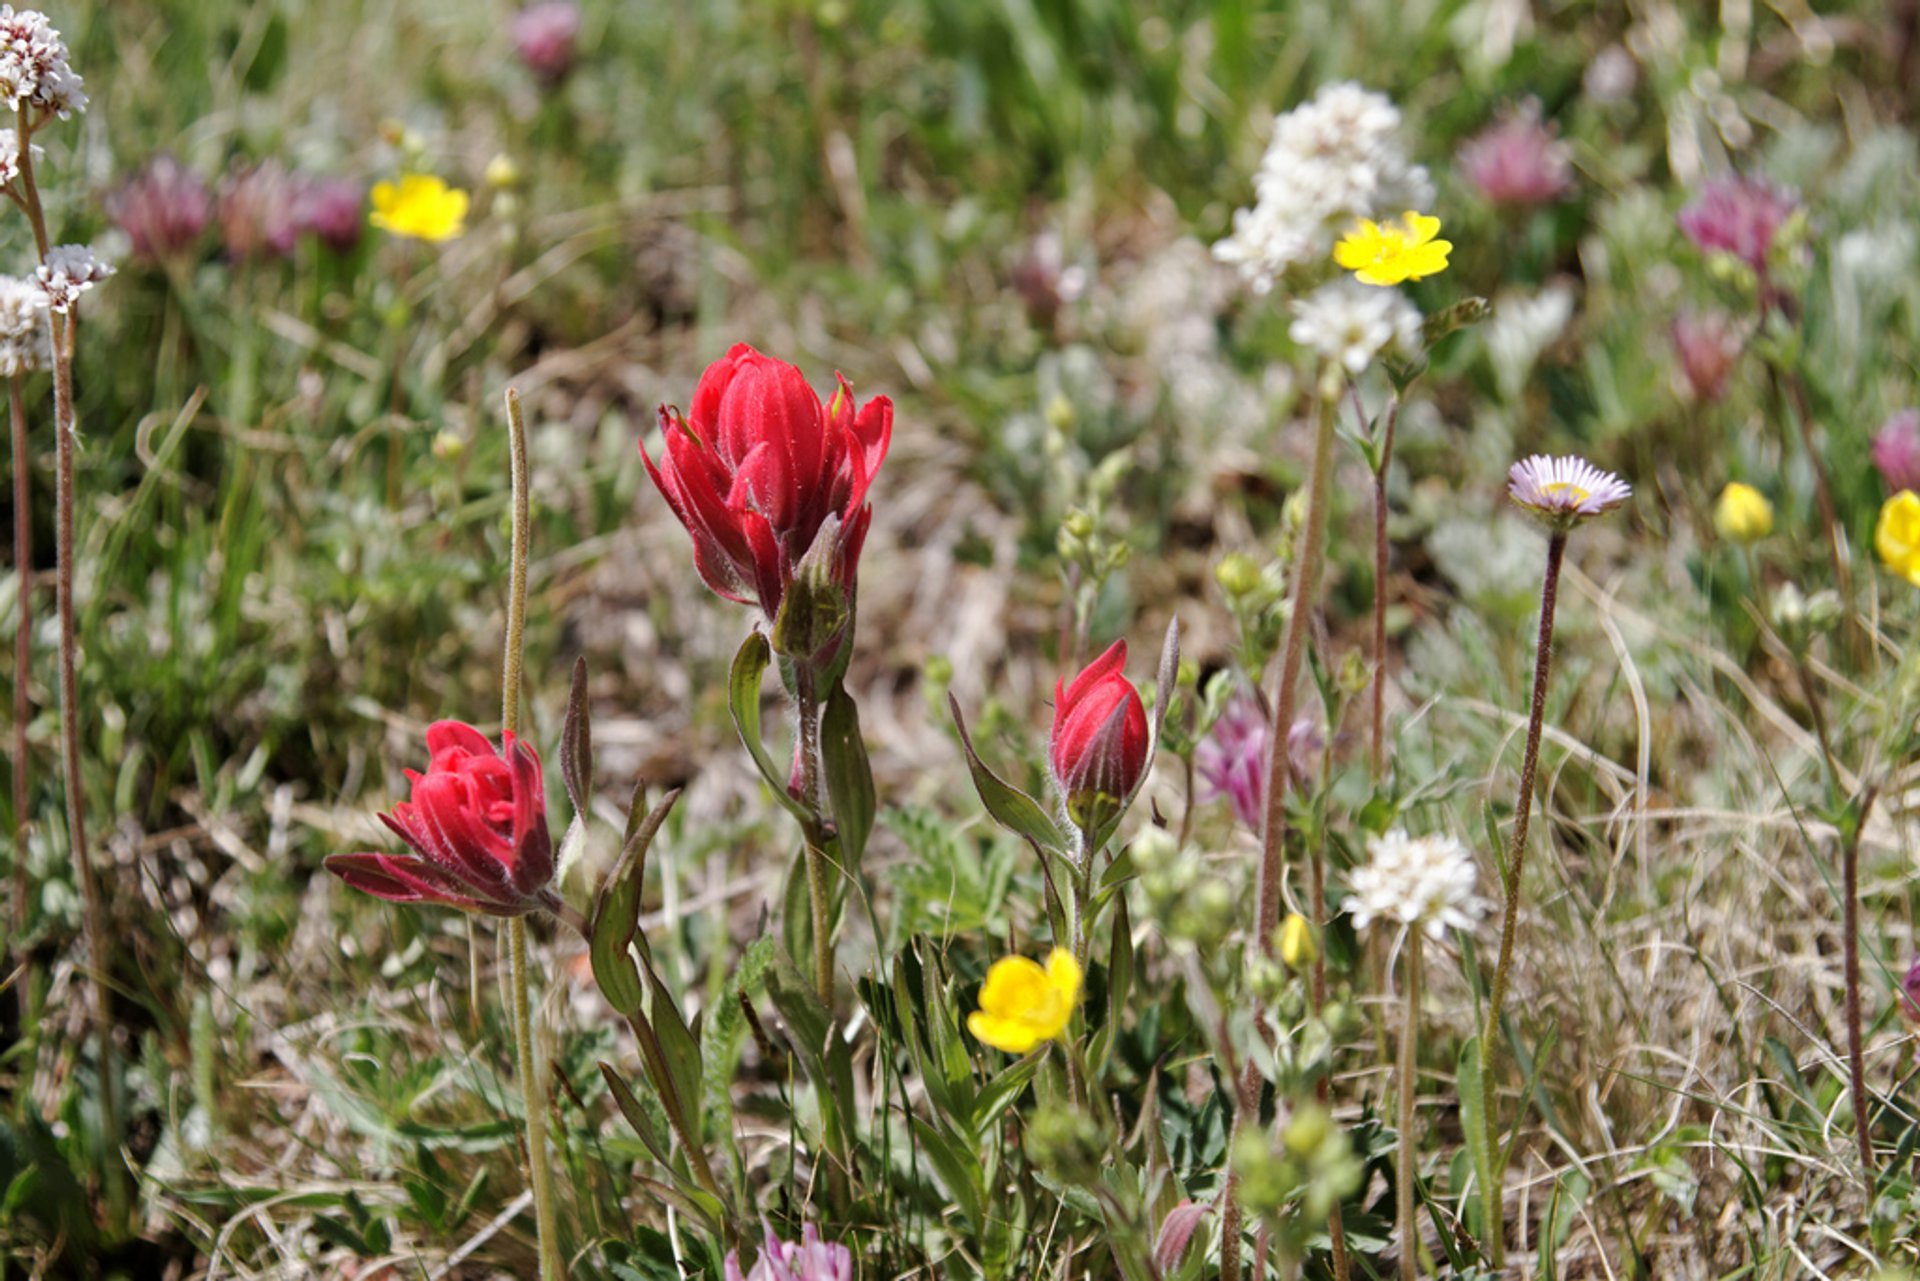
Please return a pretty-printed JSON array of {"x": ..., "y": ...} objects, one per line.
[
  {"x": 770, "y": 483},
  {"x": 1099, "y": 747},
  {"x": 477, "y": 825}
]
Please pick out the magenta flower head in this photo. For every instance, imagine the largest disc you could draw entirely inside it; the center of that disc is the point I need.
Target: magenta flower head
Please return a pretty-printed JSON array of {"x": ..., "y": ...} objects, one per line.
[
  {"x": 1099, "y": 746},
  {"x": 1517, "y": 160},
  {"x": 477, "y": 827},
  {"x": 333, "y": 211},
  {"x": 1707, "y": 345},
  {"x": 164, "y": 209},
  {"x": 545, "y": 36},
  {"x": 1896, "y": 451},
  {"x": 1910, "y": 993},
  {"x": 773, "y": 488},
  {"x": 258, "y": 213},
  {"x": 1739, "y": 216},
  {"x": 1562, "y": 492},
  {"x": 1232, "y": 760},
  {"x": 811, "y": 1259}
]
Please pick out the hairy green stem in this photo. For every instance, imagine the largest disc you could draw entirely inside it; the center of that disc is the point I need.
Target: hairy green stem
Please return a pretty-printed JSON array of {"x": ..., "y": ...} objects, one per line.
[
  {"x": 819, "y": 883},
  {"x": 525, "y": 1042},
  {"x": 1409, "y": 1087},
  {"x": 1376, "y": 756}
]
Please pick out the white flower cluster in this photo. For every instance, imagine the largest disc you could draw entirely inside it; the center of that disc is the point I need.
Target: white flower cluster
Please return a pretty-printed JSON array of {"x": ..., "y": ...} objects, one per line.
[
  {"x": 23, "y": 330},
  {"x": 1331, "y": 160},
  {"x": 33, "y": 64},
  {"x": 68, "y": 272},
  {"x": 1352, "y": 323},
  {"x": 1424, "y": 881}
]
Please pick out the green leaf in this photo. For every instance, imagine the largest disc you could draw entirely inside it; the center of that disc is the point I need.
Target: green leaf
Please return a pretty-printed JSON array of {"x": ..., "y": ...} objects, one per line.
[
  {"x": 1473, "y": 1120},
  {"x": 615, "y": 923},
  {"x": 650, "y": 1127},
  {"x": 576, "y": 743},
  {"x": 958, "y": 1169},
  {"x": 849, "y": 777},
  {"x": 743, "y": 696},
  {"x": 1010, "y": 807},
  {"x": 680, "y": 1048}
]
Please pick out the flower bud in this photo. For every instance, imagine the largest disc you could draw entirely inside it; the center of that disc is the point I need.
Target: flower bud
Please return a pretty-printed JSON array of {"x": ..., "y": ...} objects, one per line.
[
  {"x": 1099, "y": 745},
  {"x": 1238, "y": 574},
  {"x": 1743, "y": 514},
  {"x": 1298, "y": 947},
  {"x": 477, "y": 826}
]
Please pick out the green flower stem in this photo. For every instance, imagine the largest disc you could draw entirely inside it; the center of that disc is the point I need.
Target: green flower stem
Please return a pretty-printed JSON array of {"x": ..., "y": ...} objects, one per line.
[
  {"x": 521, "y": 1010},
  {"x": 1306, "y": 596},
  {"x": 1516, "y": 864},
  {"x": 806, "y": 701},
  {"x": 1376, "y": 756},
  {"x": 1409, "y": 1087}
]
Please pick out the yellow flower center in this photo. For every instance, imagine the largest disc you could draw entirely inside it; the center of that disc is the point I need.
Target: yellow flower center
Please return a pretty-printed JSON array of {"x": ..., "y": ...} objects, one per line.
[{"x": 1558, "y": 488}]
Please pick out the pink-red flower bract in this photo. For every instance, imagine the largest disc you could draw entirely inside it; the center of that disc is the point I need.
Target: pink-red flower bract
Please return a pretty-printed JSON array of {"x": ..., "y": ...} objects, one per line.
[
  {"x": 1099, "y": 746},
  {"x": 758, "y": 471},
  {"x": 476, "y": 825}
]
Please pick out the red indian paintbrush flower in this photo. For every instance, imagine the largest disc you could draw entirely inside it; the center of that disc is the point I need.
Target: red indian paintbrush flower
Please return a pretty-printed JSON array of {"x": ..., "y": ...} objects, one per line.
[
  {"x": 1099, "y": 747},
  {"x": 477, "y": 824},
  {"x": 772, "y": 486}
]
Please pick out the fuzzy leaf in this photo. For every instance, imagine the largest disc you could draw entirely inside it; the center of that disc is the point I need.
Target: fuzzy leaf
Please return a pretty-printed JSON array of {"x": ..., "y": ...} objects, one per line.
[{"x": 1010, "y": 807}]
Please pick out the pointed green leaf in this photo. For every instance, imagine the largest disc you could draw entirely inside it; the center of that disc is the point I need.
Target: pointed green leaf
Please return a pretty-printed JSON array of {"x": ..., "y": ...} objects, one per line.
[
  {"x": 1010, "y": 807},
  {"x": 743, "y": 696},
  {"x": 615, "y": 923},
  {"x": 849, "y": 777},
  {"x": 576, "y": 743}
]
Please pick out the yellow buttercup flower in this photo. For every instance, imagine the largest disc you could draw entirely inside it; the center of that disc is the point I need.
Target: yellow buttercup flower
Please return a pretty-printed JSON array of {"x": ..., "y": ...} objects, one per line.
[
  {"x": 1022, "y": 1005},
  {"x": 421, "y": 206},
  {"x": 1386, "y": 253},
  {"x": 1897, "y": 535},
  {"x": 1743, "y": 514}
]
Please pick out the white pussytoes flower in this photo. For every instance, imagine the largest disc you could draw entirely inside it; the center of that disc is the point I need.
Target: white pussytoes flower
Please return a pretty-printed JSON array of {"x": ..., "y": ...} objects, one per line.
[
  {"x": 1331, "y": 160},
  {"x": 23, "y": 327},
  {"x": 68, "y": 272},
  {"x": 1346, "y": 321},
  {"x": 33, "y": 64},
  {"x": 1424, "y": 881}
]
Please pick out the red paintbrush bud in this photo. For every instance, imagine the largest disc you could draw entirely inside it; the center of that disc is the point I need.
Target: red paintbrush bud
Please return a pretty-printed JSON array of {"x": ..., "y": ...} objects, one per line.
[
  {"x": 1099, "y": 747},
  {"x": 477, "y": 825},
  {"x": 770, "y": 482}
]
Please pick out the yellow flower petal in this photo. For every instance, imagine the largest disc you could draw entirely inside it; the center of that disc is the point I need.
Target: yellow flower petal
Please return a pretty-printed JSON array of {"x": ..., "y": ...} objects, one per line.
[
  {"x": 1896, "y": 536},
  {"x": 1388, "y": 254},
  {"x": 1022, "y": 1005},
  {"x": 421, "y": 206}
]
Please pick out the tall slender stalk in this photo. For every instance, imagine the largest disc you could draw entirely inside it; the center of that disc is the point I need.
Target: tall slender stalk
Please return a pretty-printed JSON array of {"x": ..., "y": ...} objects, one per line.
[
  {"x": 525, "y": 1043},
  {"x": 93, "y": 909},
  {"x": 1516, "y": 865},
  {"x": 1305, "y": 599},
  {"x": 1376, "y": 755},
  {"x": 1850, "y": 958},
  {"x": 1409, "y": 1083},
  {"x": 22, "y": 677}
]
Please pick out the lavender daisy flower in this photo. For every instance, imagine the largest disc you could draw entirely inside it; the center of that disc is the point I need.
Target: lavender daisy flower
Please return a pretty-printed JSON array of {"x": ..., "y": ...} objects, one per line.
[{"x": 1564, "y": 491}]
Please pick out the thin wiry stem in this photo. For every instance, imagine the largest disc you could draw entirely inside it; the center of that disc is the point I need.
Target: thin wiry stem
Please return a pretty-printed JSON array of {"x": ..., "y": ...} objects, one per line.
[
  {"x": 1376, "y": 756},
  {"x": 93, "y": 906},
  {"x": 22, "y": 679},
  {"x": 1516, "y": 865},
  {"x": 1850, "y": 959},
  {"x": 1306, "y": 596},
  {"x": 1409, "y": 1087},
  {"x": 522, "y": 1011}
]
